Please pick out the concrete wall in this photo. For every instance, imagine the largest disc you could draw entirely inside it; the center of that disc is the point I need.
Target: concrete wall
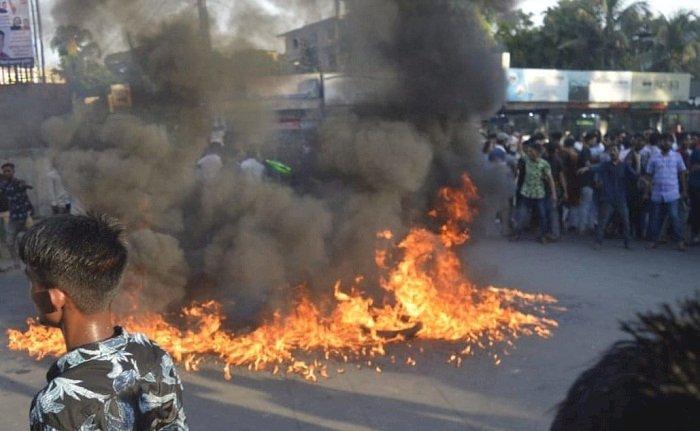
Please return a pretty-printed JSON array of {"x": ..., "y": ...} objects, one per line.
[{"x": 23, "y": 108}]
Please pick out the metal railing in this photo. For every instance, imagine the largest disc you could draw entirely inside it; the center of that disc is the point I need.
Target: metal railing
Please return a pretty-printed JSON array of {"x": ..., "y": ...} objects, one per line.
[{"x": 10, "y": 75}]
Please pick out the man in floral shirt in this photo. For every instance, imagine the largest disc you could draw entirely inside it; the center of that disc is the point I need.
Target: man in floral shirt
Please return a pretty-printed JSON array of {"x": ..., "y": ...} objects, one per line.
[
  {"x": 534, "y": 173},
  {"x": 109, "y": 379}
]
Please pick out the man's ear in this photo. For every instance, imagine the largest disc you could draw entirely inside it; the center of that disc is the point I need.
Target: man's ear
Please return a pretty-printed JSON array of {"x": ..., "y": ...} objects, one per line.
[{"x": 58, "y": 298}]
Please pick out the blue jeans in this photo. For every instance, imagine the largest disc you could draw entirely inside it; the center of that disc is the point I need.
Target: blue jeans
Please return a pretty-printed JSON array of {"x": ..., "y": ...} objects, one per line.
[
  {"x": 587, "y": 210},
  {"x": 607, "y": 211},
  {"x": 659, "y": 210},
  {"x": 525, "y": 208}
]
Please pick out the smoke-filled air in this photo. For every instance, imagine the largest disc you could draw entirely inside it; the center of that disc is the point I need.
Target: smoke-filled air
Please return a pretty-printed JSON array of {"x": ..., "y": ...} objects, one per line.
[
  {"x": 262, "y": 246},
  {"x": 248, "y": 242}
]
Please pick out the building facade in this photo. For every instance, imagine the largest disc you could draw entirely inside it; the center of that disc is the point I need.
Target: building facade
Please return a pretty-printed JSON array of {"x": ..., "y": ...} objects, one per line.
[{"x": 315, "y": 47}]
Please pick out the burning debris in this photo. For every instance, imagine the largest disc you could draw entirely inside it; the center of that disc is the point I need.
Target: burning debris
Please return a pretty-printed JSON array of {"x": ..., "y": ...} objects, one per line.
[
  {"x": 240, "y": 245},
  {"x": 425, "y": 296}
]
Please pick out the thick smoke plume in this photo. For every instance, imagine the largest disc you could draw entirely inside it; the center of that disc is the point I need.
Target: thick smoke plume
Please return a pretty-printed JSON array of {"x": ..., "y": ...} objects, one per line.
[
  {"x": 372, "y": 168},
  {"x": 132, "y": 170}
]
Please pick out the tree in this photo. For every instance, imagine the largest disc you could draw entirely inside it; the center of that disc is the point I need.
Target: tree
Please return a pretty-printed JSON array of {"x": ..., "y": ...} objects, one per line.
[
  {"x": 676, "y": 44},
  {"x": 581, "y": 34},
  {"x": 518, "y": 35},
  {"x": 571, "y": 36},
  {"x": 80, "y": 60},
  {"x": 620, "y": 21}
]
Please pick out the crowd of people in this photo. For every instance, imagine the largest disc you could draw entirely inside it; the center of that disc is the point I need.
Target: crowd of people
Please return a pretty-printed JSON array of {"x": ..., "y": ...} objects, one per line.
[{"x": 638, "y": 186}]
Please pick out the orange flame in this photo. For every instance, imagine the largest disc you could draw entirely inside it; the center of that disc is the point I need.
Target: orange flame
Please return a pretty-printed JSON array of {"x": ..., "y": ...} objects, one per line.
[{"x": 426, "y": 296}]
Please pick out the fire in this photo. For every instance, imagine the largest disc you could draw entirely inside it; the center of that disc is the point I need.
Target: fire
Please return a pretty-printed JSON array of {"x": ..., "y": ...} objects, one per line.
[{"x": 426, "y": 296}]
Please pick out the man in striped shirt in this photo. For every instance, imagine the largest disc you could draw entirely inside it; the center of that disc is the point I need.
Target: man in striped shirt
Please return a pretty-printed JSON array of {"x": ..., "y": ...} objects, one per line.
[{"x": 668, "y": 185}]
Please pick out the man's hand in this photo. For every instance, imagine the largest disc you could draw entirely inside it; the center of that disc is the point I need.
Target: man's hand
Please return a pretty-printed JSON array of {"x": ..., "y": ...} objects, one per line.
[{"x": 583, "y": 170}]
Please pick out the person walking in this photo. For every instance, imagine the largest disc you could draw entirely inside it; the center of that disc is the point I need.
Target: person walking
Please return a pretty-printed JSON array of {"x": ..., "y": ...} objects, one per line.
[
  {"x": 586, "y": 210},
  {"x": 615, "y": 177},
  {"x": 59, "y": 197},
  {"x": 553, "y": 203},
  {"x": 665, "y": 171},
  {"x": 572, "y": 195},
  {"x": 636, "y": 189},
  {"x": 20, "y": 209},
  {"x": 694, "y": 191},
  {"x": 535, "y": 172}
]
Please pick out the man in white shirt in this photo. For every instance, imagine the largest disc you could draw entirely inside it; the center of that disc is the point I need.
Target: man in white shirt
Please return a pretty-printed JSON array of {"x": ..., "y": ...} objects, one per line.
[
  {"x": 209, "y": 166},
  {"x": 253, "y": 169},
  {"x": 59, "y": 197}
]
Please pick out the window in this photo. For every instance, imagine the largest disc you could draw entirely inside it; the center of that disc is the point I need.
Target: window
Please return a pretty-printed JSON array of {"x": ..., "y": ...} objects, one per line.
[{"x": 295, "y": 43}]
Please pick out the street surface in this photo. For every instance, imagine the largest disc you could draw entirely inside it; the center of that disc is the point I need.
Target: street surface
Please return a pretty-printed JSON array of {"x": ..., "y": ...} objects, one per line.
[{"x": 598, "y": 288}]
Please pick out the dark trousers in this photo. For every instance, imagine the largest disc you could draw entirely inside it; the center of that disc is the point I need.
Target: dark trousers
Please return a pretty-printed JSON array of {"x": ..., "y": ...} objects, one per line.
[
  {"x": 695, "y": 211},
  {"x": 605, "y": 215},
  {"x": 638, "y": 222},
  {"x": 659, "y": 211},
  {"x": 553, "y": 217},
  {"x": 525, "y": 208}
]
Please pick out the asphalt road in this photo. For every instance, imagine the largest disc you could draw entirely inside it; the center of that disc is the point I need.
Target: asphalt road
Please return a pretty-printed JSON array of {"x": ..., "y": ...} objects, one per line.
[{"x": 598, "y": 288}]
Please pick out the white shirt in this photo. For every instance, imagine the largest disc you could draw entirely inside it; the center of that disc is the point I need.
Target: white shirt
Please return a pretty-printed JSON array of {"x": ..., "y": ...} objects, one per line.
[
  {"x": 624, "y": 152},
  {"x": 597, "y": 150},
  {"x": 208, "y": 167},
  {"x": 253, "y": 169},
  {"x": 647, "y": 153},
  {"x": 57, "y": 193}
]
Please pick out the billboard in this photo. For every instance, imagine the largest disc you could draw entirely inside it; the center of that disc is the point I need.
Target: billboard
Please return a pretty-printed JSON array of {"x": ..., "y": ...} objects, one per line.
[
  {"x": 596, "y": 86},
  {"x": 660, "y": 87},
  {"x": 537, "y": 85},
  {"x": 15, "y": 34},
  {"x": 600, "y": 86}
]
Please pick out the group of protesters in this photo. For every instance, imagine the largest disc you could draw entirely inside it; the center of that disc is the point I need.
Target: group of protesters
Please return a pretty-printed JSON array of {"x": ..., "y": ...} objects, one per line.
[{"x": 643, "y": 186}]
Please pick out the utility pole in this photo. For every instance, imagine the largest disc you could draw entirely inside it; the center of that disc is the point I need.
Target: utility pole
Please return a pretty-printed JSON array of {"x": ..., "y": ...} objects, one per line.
[
  {"x": 35, "y": 35},
  {"x": 207, "y": 111},
  {"x": 41, "y": 42},
  {"x": 339, "y": 61},
  {"x": 204, "y": 23}
]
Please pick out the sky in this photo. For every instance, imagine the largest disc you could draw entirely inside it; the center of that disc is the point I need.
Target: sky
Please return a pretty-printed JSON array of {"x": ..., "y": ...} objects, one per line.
[
  {"x": 666, "y": 7},
  {"x": 537, "y": 7}
]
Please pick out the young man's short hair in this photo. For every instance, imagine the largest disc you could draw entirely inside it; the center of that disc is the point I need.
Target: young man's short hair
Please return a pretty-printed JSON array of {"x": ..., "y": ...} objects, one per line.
[
  {"x": 647, "y": 383},
  {"x": 84, "y": 256},
  {"x": 7, "y": 165},
  {"x": 555, "y": 137}
]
